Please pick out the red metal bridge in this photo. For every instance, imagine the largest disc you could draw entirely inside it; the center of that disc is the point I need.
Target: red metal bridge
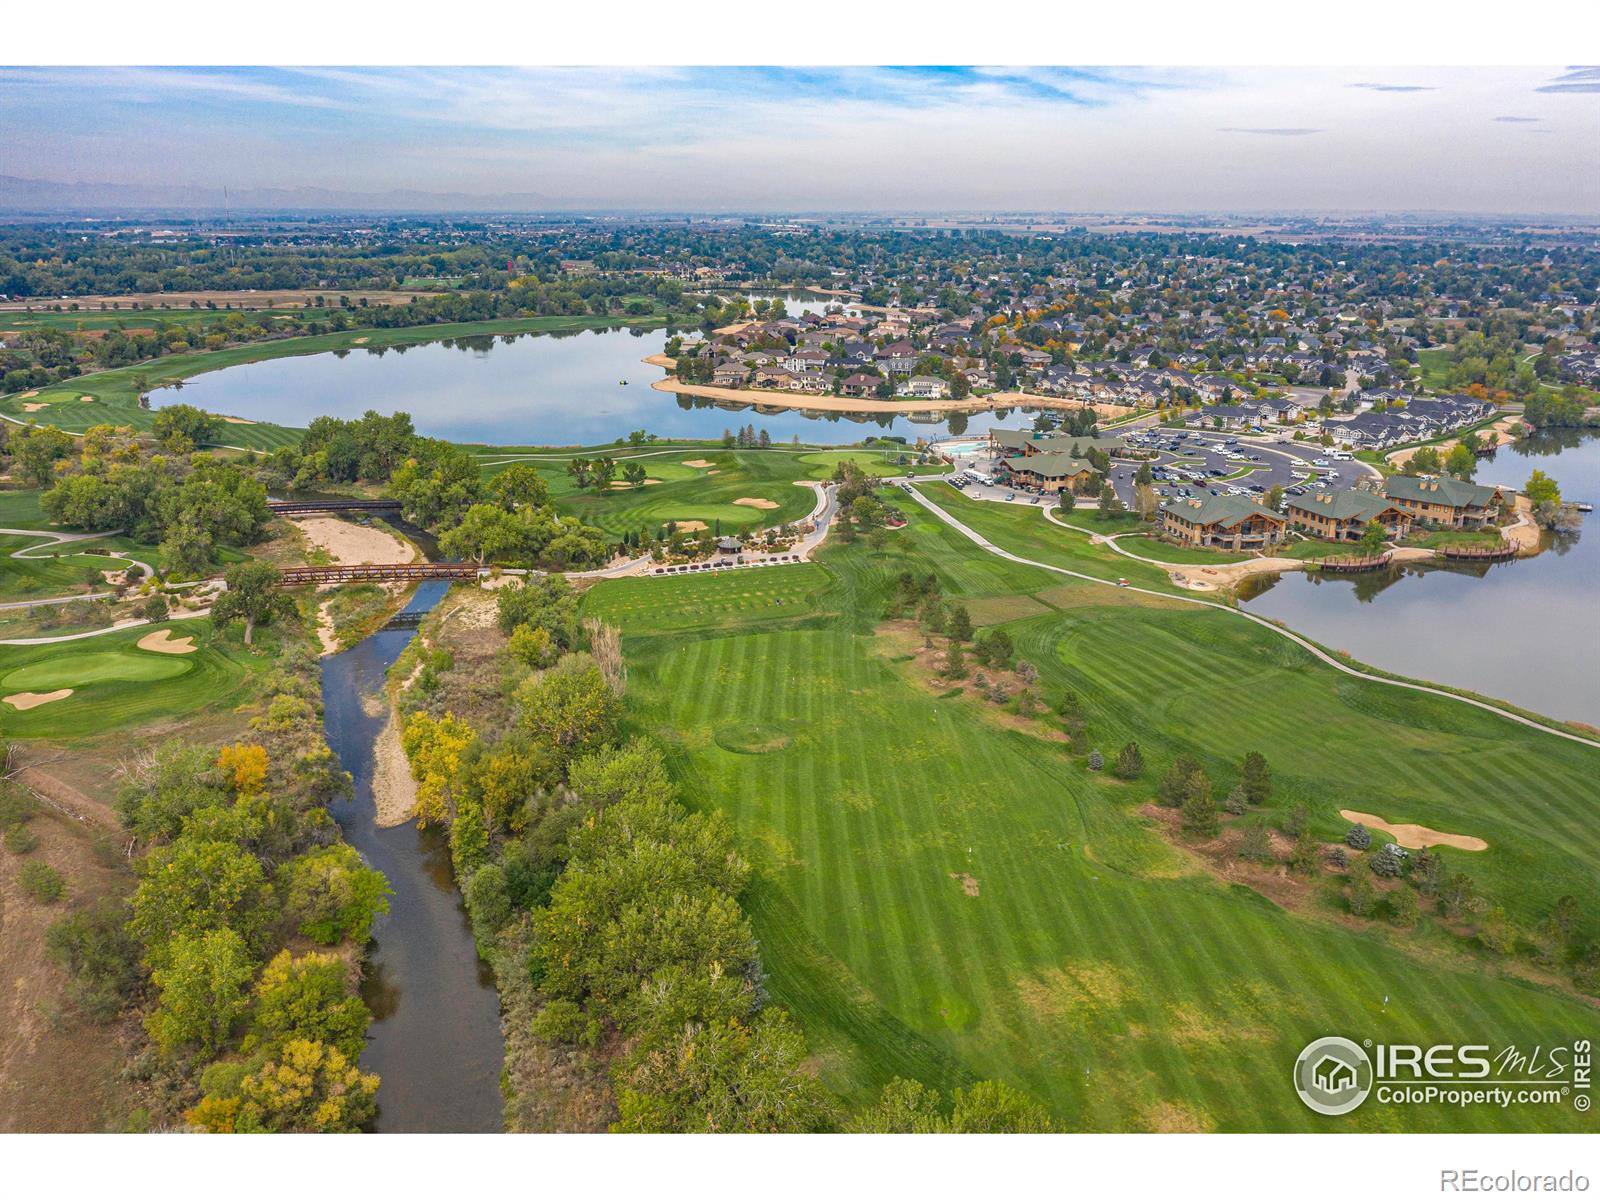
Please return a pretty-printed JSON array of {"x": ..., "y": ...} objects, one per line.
[{"x": 377, "y": 572}]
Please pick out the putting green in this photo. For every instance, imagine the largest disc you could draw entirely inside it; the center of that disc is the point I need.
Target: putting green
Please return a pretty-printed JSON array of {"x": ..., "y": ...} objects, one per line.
[{"x": 96, "y": 666}]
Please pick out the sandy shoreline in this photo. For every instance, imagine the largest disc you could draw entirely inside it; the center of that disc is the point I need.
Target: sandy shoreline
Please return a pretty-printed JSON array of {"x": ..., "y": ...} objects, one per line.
[
  {"x": 347, "y": 542},
  {"x": 394, "y": 791},
  {"x": 848, "y": 404}
]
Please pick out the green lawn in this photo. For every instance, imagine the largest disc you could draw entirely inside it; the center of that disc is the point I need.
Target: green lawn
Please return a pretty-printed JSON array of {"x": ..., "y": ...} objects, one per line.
[
  {"x": 1438, "y": 539},
  {"x": 1096, "y": 967},
  {"x": 117, "y": 684},
  {"x": 1171, "y": 552},
  {"x": 1025, "y": 530},
  {"x": 1312, "y": 548}
]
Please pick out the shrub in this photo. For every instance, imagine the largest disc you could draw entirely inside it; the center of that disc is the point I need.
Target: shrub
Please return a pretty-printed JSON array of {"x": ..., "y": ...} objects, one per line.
[
  {"x": 1096, "y": 760},
  {"x": 562, "y": 1021},
  {"x": 1358, "y": 838},
  {"x": 101, "y": 955},
  {"x": 1404, "y": 907},
  {"x": 1299, "y": 817},
  {"x": 1236, "y": 803},
  {"x": 1361, "y": 896},
  {"x": 42, "y": 883},
  {"x": 1255, "y": 845},
  {"x": 1338, "y": 858},
  {"x": 21, "y": 840}
]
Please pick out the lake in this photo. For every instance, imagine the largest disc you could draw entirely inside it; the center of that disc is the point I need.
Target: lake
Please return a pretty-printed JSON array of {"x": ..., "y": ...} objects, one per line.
[
  {"x": 1527, "y": 631},
  {"x": 577, "y": 389}
]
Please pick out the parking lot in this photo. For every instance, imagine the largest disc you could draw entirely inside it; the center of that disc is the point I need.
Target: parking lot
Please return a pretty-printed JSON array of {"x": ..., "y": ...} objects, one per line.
[{"x": 1193, "y": 463}]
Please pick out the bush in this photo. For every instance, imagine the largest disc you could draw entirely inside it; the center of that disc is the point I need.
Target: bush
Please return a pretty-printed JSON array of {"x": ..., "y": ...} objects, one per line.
[
  {"x": 21, "y": 840},
  {"x": 1299, "y": 817},
  {"x": 488, "y": 902},
  {"x": 1359, "y": 837},
  {"x": 1236, "y": 803},
  {"x": 562, "y": 1021},
  {"x": 1361, "y": 896},
  {"x": 103, "y": 958},
  {"x": 42, "y": 883},
  {"x": 1096, "y": 760},
  {"x": 1338, "y": 858}
]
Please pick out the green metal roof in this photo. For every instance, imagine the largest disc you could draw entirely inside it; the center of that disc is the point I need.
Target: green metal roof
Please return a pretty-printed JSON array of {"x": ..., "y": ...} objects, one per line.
[{"x": 1446, "y": 489}]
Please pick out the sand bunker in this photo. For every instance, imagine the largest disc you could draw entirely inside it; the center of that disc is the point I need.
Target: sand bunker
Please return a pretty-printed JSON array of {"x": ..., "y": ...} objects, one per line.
[
  {"x": 756, "y": 502},
  {"x": 690, "y": 526},
  {"x": 1415, "y": 837},
  {"x": 34, "y": 407},
  {"x": 360, "y": 341},
  {"x": 23, "y": 701},
  {"x": 237, "y": 421},
  {"x": 624, "y": 484},
  {"x": 162, "y": 642},
  {"x": 85, "y": 399},
  {"x": 28, "y": 394},
  {"x": 697, "y": 463}
]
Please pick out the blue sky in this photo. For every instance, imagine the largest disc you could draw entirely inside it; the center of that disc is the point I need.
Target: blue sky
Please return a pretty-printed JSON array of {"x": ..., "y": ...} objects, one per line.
[{"x": 1070, "y": 139}]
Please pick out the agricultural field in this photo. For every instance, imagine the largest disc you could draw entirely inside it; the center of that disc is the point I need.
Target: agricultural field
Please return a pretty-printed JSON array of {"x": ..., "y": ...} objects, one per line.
[
  {"x": 113, "y": 682},
  {"x": 946, "y": 893}
]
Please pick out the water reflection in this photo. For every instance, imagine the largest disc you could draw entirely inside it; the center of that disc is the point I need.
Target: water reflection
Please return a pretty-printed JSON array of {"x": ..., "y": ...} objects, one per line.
[
  {"x": 1527, "y": 631},
  {"x": 584, "y": 387}
]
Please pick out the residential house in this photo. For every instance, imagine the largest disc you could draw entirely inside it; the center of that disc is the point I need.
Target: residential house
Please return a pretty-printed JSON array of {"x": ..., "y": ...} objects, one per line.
[{"x": 925, "y": 387}]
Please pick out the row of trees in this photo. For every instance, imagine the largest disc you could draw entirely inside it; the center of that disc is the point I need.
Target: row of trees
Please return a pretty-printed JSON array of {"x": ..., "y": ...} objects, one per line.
[{"x": 617, "y": 910}]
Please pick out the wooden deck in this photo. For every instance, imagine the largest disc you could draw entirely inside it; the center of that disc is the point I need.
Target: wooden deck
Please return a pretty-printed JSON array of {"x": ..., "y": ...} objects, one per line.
[
  {"x": 1478, "y": 553},
  {"x": 1350, "y": 566}
]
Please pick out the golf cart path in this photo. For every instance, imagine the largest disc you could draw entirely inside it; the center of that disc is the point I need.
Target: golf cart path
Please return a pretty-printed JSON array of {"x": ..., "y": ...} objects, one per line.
[
  {"x": 1308, "y": 646},
  {"x": 52, "y": 539}
]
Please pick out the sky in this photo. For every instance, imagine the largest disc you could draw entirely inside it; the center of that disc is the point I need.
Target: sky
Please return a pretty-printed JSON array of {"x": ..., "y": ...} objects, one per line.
[{"x": 1170, "y": 139}]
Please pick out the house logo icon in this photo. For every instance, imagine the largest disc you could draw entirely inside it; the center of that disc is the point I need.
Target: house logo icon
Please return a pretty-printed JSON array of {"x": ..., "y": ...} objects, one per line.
[{"x": 1333, "y": 1076}]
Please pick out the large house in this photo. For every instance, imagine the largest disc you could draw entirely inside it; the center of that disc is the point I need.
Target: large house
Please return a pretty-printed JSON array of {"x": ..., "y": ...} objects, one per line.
[
  {"x": 1047, "y": 472},
  {"x": 925, "y": 387},
  {"x": 1223, "y": 523},
  {"x": 1344, "y": 516},
  {"x": 1446, "y": 501}
]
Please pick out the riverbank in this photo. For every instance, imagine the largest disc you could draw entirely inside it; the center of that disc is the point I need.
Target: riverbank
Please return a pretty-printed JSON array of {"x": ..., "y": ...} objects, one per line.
[{"x": 1503, "y": 432}]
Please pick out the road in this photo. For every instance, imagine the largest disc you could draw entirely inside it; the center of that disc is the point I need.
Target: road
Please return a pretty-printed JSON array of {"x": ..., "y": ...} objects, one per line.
[{"x": 1310, "y": 647}]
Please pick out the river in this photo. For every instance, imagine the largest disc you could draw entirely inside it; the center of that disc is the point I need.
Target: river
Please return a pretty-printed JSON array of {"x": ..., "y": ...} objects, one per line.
[
  {"x": 435, "y": 1035},
  {"x": 1527, "y": 631},
  {"x": 536, "y": 389}
]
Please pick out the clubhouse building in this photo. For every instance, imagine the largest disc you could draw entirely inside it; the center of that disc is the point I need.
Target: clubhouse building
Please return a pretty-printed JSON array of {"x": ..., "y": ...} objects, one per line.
[
  {"x": 1047, "y": 472},
  {"x": 1223, "y": 523},
  {"x": 1344, "y": 516},
  {"x": 1452, "y": 503}
]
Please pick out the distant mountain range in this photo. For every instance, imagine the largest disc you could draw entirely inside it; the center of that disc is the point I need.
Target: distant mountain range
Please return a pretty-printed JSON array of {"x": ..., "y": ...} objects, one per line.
[{"x": 53, "y": 196}]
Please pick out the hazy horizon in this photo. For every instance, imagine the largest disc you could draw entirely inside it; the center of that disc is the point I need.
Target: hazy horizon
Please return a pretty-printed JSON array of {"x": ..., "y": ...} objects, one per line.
[{"x": 1513, "y": 141}]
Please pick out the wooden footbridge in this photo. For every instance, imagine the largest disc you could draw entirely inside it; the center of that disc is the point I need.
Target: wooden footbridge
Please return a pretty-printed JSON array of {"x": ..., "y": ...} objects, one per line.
[
  {"x": 291, "y": 508},
  {"x": 1500, "y": 553},
  {"x": 377, "y": 572},
  {"x": 1354, "y": 565}
]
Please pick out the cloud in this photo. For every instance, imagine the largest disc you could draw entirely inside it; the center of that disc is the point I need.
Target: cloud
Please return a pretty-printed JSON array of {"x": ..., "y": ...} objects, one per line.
[
  {"x": 1270, "y": 132},
  {"x": 1519, "y": 120},
  {"x": 1396, "y": 87},
  {"x": 1577, "y": 79}
]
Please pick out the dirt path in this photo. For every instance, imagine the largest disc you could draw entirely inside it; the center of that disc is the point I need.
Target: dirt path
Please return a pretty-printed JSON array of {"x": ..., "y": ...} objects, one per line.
[{"x": 1502, "y": 433}]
